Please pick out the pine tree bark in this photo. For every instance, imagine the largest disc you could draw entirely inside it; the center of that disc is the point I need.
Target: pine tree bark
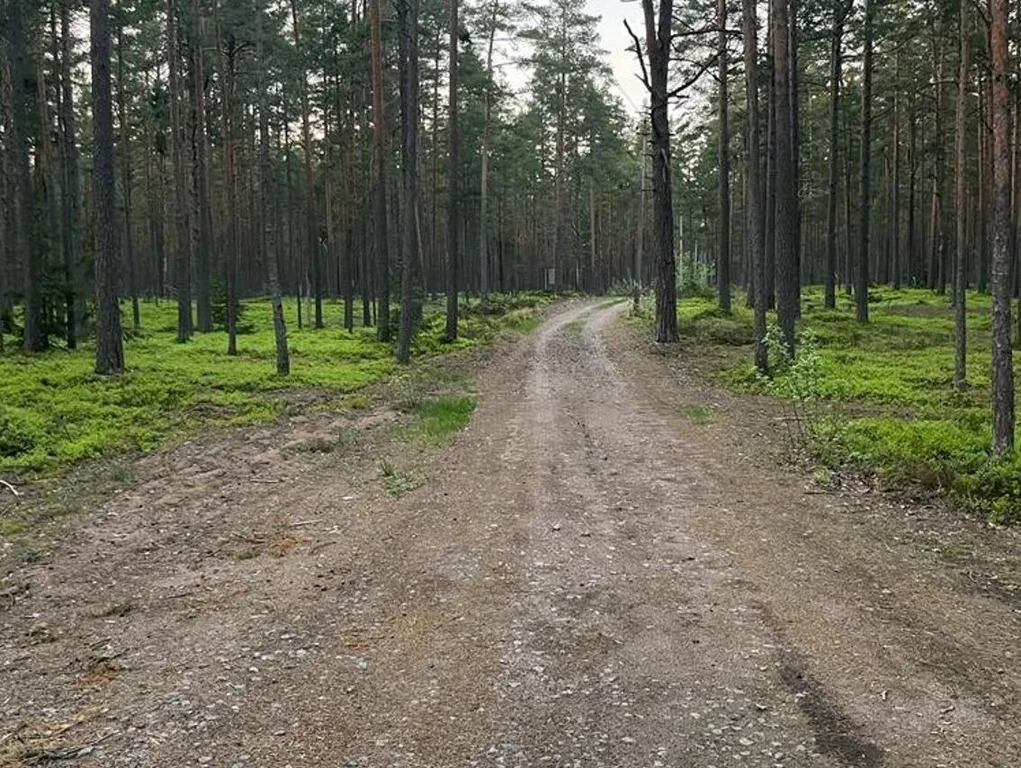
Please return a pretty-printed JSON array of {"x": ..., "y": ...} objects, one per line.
[
  {"x": 200, "y": 148},
  {"x": 69, "y": 193},
  {"x": 267, "y": 190},
  {"x": 658, "y": 29},
  {"x": 127, "y": 180},
  {"x": 411, "y": 294},
  {"x": 453, "y": 174},
  {"x": 754, "y": 208},
  {"x": 182, "y": 228},
  {"x": 786, "y": 211},
  {"x": 311, "y": 225},
  {"x": 484, "y": 160},
  {"x": 23, "y": 220},
  {"x": 897, "y": 261},
  {"x": 723, "y": 179},
  {"x": 836, "y": 41},
  {"x": 864, "y": 179},
  {"x": 109, "y": 343},
  {"x": 960, "y": 164},
  {"x": 1003, "y": 364},
  {"x": 379, "y": 219}
]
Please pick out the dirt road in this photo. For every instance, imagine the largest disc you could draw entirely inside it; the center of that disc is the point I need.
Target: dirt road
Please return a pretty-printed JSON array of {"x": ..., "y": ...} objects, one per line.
[{"x": 587, "y": 578}]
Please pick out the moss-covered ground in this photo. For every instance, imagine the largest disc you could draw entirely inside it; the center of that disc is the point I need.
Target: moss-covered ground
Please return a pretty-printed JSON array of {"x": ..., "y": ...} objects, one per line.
[
  {"x": 54, "y": 411},
  {"x": 887, "y": 389}
]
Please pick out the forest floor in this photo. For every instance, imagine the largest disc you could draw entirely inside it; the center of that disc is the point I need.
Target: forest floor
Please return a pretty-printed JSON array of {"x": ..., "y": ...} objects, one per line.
[{"x": 606, "y": 568}]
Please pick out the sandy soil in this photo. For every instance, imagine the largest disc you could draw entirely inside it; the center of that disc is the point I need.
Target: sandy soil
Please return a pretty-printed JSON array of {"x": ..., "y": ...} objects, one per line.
[{"x": 587, "y": 577}]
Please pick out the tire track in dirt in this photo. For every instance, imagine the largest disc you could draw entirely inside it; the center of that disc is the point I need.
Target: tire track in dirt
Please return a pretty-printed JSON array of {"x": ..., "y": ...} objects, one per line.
[{"x": 585, "y": 579}]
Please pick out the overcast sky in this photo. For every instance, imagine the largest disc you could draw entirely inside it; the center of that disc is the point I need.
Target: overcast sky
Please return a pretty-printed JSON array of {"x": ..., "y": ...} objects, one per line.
[{"x": 614, "y": 41}]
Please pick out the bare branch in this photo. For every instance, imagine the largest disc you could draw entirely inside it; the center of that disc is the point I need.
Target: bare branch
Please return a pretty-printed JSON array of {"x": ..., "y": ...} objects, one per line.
[{"x": 641, "y": 59}]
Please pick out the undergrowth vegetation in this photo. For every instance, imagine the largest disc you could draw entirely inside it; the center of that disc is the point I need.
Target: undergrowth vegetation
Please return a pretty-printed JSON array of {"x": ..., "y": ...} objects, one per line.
[
  {"x": 54, "y": 411},
  {"x": 878, "y": 398}
]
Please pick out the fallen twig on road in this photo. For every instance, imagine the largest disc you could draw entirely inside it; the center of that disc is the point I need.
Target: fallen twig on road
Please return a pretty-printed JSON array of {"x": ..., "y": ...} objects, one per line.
[{"x": 10, "y": 488}]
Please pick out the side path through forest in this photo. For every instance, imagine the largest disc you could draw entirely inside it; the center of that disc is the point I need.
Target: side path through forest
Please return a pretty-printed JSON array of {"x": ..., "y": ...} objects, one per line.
[{"x": 586, "y": 578}]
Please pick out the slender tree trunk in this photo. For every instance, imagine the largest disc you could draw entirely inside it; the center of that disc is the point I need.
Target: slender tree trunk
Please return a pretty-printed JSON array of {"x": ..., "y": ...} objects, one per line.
[
  {"x": 126, "y": 179},
  {"x": 267, "y": 190},
  {"x": 914, "y": 270},
  {"x": 1003, "y": 365},
  {"x": 203, "y": 212},
  {"x": 453, "y": 174},
  {"x": 769, "y": 230},
  {"x": 749, "y": 28},
  {"x": 311, "y": 223},
  {"x": 23, "y": 236},
  {"x": 864, "y": 178},
  {"x": 786, "y": 211},
  {"x": 228, "y": 52},
  {"x": 560, "y": 244},
  {"x": 69, "y": 197},
  {"x": 897, "y": 261},
  {"x": 836, "y": 40},
  {"x": 109, "y": 344},
  {"x": 182, "y": 230},
  {"x": 411, "y": 294},
  {"x": 960, "y": 314},
  {"x": 723, "y": 151},
  {"x": 484, "y": 160},
  {"x": 379, "y": 223}
]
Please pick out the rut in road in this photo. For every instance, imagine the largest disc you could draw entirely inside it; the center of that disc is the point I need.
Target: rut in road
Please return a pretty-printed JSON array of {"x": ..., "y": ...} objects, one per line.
[{"x": 587, "y": 578}]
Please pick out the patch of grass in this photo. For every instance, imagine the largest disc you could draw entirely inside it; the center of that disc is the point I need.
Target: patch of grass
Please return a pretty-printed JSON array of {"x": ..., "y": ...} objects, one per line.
[
  {"x": 55, "y": 412},
  {"x": 697, "y": 414},
  {"x": 888, "y": 387},
  {"x": 11, "y": 526},
  {"x": 396, "y": 482},
  {"x": 440, "y": 418}
]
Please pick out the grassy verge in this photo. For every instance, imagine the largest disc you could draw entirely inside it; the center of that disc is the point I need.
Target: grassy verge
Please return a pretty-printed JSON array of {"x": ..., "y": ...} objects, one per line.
[
  {"x": 54, "y": 412},
  {"x": 885, "y": 404}
]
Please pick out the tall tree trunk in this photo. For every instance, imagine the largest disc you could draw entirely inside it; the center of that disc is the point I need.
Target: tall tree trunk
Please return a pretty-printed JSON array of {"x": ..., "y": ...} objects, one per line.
[
  {"x": 723, "y": 152},
  {"x": 914, "y": 268},
  {"x": 407, "y": 22},
  {"x": 769, "y": 227},
  {"x": 897, "y": 266},
  {"x": 786, "y": 213},
  {"x": 836, "y": 40},
  {"x": 126, "y": 179},
  {"x": 379, "y": 220},
  {"x": 560, "y": 244},
  {"x": 1003, "y": 364},
  {"x": 657, "y": 40},
  {"x": 961, "y": 150},
  {"x": 484, "y": 160},
  {"x": 267, "y": 189},
  {"x": 200, "y": 148},
  {"x": 453, "y": 174},
  {"x": 69, "y": 193},
  {"x": 182, "y": 229},
  {"x": 749, "y": 28},
  {"x": 864, "y": 203},
  {"x": 17, "y": 147},
  {"x": 228, "y": 51},
  {"x": 311, "y": 224},
  {"x": 109, "y": 344}
]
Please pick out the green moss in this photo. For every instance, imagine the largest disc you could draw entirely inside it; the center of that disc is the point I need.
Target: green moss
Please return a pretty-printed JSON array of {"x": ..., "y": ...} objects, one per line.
[
  {"x": 54, "y": 411},
  {"x": 889, "y": 384}
]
